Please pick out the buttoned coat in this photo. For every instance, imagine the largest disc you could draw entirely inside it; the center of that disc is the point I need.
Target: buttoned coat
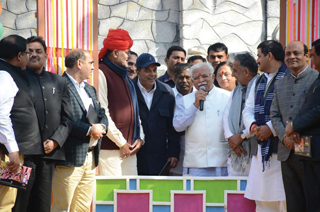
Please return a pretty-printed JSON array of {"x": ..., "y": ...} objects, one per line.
[
  {"x": 289, "y": 96},
  {"x": 77, "y": 144},
  {"x": 161, "y": 139}
]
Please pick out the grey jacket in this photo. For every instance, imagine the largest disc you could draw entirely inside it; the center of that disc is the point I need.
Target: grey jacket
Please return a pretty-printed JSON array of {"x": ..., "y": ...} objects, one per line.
[{"x": 289, "y": 96}]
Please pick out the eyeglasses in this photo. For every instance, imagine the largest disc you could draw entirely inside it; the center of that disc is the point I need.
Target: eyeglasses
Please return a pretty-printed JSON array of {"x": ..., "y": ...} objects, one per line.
[
  {"x": 204, "y": 76},
  {"x": 226, "y": 74},
  {"x": 27, "y": 53}
]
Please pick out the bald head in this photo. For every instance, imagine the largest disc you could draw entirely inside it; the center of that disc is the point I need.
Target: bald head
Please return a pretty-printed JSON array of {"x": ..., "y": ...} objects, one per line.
[{"x": 296, "y": 56}]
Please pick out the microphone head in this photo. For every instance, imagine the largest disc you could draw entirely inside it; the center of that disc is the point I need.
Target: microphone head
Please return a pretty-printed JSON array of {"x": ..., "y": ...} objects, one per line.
[{"x": 202, "y": 88}]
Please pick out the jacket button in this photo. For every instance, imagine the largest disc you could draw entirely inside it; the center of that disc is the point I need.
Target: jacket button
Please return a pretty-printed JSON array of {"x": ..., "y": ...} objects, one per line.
[
  {"x": 43, "y": 87},
  {"x": 46, "y": 126},
  {"x": 47, "y": 112}
]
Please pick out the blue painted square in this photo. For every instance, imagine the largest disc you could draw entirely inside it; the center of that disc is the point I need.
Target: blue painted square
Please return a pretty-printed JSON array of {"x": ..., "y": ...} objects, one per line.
[
  {"x": 161, "y": 208},
  {"x": 243, "y": 185},
  {"x": 104, "y": 208},
  {"x": 133, "y": 184},
  {"x": 214, "y": 209},
  {"x": 188, "y": 185}
]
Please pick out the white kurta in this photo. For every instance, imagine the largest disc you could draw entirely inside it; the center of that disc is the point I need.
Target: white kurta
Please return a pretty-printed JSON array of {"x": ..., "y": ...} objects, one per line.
[
  {"x": 268, "y": 185},
  {"x": 204, "y": 131}
]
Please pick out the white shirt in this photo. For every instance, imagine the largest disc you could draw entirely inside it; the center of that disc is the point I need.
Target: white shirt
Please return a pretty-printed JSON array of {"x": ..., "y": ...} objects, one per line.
[
  {"x": 227, "y": 131},
  {"x": 147, "y": 95},
  {"x": 248, "y": 111},
  {"x": 8, "y": 91}
]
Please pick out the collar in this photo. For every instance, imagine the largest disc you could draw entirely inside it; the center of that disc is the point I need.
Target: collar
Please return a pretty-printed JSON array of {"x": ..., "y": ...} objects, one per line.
[
  {"x": 34, "y": 72},
  {"x": 300, "y": 74},
  {"x": 122, "y": 72},
  {"x": 74, "y": 82},
  {"x": 166, "y": 77},
  {"x": 145, "y": 90}
]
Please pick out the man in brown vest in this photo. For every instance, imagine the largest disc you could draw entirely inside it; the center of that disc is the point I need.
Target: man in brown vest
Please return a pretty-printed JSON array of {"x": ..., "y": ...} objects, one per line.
[{"x": 118, "y": 97}]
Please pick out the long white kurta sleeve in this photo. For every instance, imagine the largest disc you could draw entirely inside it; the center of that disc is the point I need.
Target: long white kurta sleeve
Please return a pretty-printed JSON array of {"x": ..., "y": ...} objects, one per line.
[
  {"x": 8, "y": 91},
  {"x": 183, "y": 117}
]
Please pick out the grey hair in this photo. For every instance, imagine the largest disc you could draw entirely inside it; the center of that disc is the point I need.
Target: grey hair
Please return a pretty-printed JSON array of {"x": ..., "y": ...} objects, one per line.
[{"x": 201, "y": 66}]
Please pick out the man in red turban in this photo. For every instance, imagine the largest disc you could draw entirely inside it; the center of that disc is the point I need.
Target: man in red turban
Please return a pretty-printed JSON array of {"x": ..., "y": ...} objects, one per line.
[{"x": 118, "y": 97}]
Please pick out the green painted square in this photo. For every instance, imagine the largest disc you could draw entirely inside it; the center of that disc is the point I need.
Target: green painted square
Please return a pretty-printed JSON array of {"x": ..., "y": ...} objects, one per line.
[
  {"x": 105, "y": 188},
  {"x": 161, "y": 188},
  {"x": 215, "y": 189}
]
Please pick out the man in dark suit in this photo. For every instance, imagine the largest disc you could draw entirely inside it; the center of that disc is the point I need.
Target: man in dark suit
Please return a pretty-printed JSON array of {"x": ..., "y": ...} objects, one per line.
[
  {"x": 289, "y": 96},
  {"x": 53, "y": 110},
  {"x": 74, "y": 178},
  {"x": 156, "y": 105},
  {"x": 307, "y": 124},
  {"x": 19, "y": 130}
]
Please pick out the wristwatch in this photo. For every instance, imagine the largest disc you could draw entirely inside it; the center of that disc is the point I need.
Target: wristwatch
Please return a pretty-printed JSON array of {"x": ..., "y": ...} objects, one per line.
[{"x": 243, "y": 136}]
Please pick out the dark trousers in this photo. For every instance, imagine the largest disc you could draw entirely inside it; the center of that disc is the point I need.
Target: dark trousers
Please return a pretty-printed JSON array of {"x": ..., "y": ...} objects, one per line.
[
  {"x": 292, "y": 174},
  {"x": 37, "y": 196},
  {"x": 312, "y": 182}
]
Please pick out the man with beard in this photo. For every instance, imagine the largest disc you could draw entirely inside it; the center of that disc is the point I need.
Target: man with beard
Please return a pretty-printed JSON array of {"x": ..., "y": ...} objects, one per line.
[
  {"x": 175, "y": 55},
  {"x": 156, "y": 105},
  {"x": 184, "y": 86},
  {"x": 119, "y": 99},
  {"x": 53, "y": 110},
  {"x": 201, "y": 118},
  {"x": 289, "y": 97},
  {"x": 132, "y": 72}
]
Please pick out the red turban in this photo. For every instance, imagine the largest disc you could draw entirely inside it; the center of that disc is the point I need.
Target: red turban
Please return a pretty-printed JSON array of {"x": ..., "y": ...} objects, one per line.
[{"x": 118, "y": 39}]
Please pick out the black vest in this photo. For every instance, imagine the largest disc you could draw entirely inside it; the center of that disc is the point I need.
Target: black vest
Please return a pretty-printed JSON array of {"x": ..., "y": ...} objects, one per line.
[{"x": 23, "y": 115}]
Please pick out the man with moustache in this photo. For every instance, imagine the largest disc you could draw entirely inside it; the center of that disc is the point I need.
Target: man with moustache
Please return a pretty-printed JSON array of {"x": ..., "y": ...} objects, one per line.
[
  {"x": 19, "y": 130},
  {"x": 245, "y": 71},
  {"x": 175, "y": 55},
  {"x": 132, "y": 72},
  {"x": 54, "y": 114},
  {"x": 290, "y": 95},
  {"x": 74, "y": 178},
  {"x": 205, "y": 154},
  {"x": 119, "y": 99},
  {"x": 156, "y": 105},
  {"x": 265, "y": 184},
  {"x": 184, "y": 86}
]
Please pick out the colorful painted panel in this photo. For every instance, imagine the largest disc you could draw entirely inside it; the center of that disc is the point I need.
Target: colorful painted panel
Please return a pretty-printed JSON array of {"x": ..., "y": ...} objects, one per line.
[
  {"x": 236, "y": 202},
  {"x": 215, "y": 188},
  {"x": 161, "y": 188},
  {"x": 188, "y": 202},
  {"x": 135, "y": 202},
  {"x": 104, "y": 188}
]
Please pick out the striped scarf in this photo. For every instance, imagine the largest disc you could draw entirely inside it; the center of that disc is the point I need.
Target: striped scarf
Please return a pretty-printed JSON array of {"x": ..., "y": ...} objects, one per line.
[{"x": 263, "y": 100}]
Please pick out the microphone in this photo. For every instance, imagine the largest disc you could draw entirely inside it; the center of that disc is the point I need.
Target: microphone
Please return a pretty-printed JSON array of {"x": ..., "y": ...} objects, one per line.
[{"x": 201, "y": 101}]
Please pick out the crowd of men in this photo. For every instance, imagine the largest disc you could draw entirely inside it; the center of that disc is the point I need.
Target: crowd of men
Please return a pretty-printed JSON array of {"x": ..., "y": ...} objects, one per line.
[{"x": 207, "y": 117}]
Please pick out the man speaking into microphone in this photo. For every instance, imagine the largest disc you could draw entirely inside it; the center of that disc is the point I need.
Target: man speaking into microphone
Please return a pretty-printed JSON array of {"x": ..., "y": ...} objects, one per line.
[{"x": 200, "y": 115}]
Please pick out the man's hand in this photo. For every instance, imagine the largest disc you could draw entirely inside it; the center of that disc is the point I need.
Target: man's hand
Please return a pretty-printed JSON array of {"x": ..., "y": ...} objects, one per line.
[
  {"x": 173, "y": 162},
  {"x": 49, "y": 146},
  {"x": 288, "y": 142},
  {"x": 263, "y": 132},
  {"x": 14, "y": 162},
  {"x": 125, "y": 151},
  {"x": 200, "y": 95},
  {"x": 289, "y": 128},
  {"x": 136, "y": 146},
  {"x": 96, "y": 131},
  {"x": 235, "y": 144}
]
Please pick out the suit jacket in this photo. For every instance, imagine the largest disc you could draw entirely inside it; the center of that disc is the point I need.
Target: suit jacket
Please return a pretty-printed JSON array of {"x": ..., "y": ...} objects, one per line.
[
  {"x": 308, "y": 120},
  {"x": 77, "y": 144},
  {"x": 161, "y": 139},
  {"x": 289, "y": 95},
  {"x": 53, "y": 108}
]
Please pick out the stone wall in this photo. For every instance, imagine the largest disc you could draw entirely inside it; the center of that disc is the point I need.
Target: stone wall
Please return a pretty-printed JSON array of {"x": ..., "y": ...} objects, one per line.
[
  {"x": 18, "y": 17},
  {"x": 156, "y": 25}
]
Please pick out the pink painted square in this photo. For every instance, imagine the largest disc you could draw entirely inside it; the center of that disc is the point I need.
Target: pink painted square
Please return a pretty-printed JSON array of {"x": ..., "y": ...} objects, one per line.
[
  {"x": 133, "y": 202},
  {"x": 238, "y": 203},
  {"x": 188, "y": 202}
]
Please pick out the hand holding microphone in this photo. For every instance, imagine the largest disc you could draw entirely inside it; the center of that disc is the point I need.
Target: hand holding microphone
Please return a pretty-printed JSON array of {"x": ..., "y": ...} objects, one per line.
[{"x": 200, "y": 97}]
